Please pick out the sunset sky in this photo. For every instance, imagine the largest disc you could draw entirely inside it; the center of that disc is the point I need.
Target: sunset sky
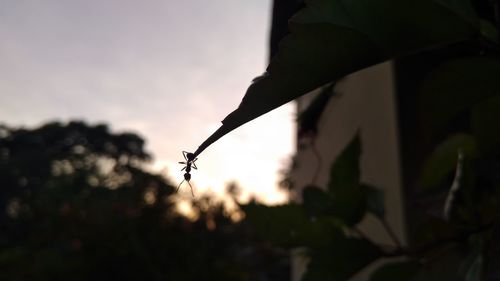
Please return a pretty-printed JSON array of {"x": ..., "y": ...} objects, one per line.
[{"x": 167, "y": 70}]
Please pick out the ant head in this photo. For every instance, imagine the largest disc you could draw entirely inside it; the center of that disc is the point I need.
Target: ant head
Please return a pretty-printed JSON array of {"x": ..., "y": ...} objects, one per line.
[{"x": 190, "y": 156}]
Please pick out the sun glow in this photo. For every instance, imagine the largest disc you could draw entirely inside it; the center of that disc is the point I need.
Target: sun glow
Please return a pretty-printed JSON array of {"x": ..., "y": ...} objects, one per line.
[
  {"x": 250, "y": 156},
  {"x": 171, "y": 89}
]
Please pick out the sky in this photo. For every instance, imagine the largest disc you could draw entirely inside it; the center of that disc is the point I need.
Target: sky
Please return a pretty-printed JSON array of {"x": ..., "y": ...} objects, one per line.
[{"x": 169, "y": 71}]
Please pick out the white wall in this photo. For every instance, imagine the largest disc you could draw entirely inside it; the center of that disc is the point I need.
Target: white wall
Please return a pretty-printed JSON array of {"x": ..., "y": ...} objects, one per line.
[{"x": 366, "y": 103}]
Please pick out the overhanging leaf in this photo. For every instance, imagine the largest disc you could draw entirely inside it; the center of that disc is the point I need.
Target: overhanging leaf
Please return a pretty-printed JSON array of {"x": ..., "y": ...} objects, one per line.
[{"x": 332, "y": 38}]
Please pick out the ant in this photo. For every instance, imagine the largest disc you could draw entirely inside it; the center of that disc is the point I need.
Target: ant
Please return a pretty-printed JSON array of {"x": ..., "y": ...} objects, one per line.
[{"x": 190, "y": 159}]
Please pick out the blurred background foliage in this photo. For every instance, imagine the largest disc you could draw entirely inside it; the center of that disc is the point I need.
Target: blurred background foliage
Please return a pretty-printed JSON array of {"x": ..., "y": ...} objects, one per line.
[
  {"x": 456, "y": 238},
  {"x": 77, "y": 203},
  {"x": 447, "y": 90}
]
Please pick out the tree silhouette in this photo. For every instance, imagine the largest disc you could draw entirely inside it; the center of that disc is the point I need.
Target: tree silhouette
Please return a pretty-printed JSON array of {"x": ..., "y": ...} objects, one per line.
[{"x": 77, "y": 204}]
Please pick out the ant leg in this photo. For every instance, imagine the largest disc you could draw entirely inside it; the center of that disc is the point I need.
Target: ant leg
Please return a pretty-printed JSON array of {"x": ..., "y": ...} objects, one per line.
[
  {"x": 190, "y": 186},
  {"x": 184, "y": 153},
  {"x": 194, "y": 165},
  {"x": 179, "y": 186},
  {"x": 183, "y": 168}
]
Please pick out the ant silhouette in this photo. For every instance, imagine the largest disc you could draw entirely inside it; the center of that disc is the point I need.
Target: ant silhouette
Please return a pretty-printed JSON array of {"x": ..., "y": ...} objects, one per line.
[{"x": 190, "y": 159}]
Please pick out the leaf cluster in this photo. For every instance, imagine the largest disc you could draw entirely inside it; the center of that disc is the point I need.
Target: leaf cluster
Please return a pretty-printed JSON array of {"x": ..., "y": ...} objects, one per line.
[
  {"x": 448, "y": 247},
  {"x": 322, "y": 222}
]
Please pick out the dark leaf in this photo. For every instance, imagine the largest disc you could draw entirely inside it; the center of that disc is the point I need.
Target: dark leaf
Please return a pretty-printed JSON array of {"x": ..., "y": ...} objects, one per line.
[
  {"x": 316, "y": 201},
  {"x": 349, "y": 204},
  {"x": 288, "y": 225},
  {"x": 344, "y": 172},
  {"x": 341, "y": 260},
  {"x": 349, "y": 197},
  {"x": 443, "y": 160},
  {"x": 330, "y": 39}
]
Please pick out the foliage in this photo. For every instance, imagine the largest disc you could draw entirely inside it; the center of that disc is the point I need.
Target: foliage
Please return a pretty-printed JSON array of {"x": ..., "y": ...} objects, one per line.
[
  {"x": 77, "y": 204},
  {"x": 321, "y": 221},
  {"x": 326, "y": 224},
  {"x": 329, "y": 39}
]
